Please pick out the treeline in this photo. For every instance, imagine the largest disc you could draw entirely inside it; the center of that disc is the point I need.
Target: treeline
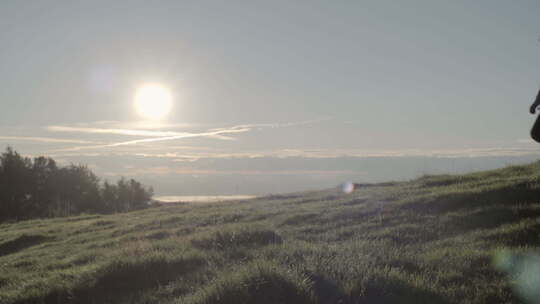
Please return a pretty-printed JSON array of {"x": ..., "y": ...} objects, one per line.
[{"x": 32, "y": 188}]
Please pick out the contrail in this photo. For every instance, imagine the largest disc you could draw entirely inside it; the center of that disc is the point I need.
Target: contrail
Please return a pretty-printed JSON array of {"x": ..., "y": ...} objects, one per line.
[
  {"x": 166, "y": 135},
  {"x": 165, "y": 138}
]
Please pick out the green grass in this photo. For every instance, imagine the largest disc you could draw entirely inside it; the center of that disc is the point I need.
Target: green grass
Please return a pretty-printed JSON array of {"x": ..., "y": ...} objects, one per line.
[{"x": 430, "y": 240}]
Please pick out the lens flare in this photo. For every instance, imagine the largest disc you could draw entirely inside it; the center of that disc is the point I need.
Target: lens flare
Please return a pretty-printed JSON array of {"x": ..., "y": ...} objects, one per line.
[
  {"x": 347, "y": 187},
  {"x": 524, "y": 269}
]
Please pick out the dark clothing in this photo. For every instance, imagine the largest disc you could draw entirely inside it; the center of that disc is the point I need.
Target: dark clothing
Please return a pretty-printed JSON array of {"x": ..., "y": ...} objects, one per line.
[{"x": 535, "y": 131}]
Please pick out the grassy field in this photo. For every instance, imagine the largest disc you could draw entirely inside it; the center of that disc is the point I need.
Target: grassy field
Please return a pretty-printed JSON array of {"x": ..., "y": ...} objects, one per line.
[{"x": 436, "y": 239}]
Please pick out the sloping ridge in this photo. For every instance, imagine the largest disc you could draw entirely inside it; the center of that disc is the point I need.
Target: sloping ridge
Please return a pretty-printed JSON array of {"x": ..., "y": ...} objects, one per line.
[{"x": 430, "y": 240}]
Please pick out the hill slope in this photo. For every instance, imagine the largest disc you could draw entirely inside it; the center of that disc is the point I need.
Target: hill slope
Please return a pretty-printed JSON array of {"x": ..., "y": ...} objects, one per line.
[{"x": 431, "y": 240}]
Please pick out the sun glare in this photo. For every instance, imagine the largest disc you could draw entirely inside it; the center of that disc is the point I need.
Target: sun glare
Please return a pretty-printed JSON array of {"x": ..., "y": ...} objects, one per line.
[{"x": 153, "y": 101}]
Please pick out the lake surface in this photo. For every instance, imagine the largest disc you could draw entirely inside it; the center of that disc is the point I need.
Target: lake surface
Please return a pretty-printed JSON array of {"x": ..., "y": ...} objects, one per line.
[{"x": 202, "y": 198}]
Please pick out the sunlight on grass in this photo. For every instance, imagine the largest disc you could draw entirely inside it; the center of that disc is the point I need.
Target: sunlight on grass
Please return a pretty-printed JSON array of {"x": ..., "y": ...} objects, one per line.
[{"x": 433, "y": 240}]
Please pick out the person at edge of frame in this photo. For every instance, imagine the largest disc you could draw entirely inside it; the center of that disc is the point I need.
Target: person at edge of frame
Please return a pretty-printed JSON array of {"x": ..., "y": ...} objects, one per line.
[{"x": 535, "y": 131}]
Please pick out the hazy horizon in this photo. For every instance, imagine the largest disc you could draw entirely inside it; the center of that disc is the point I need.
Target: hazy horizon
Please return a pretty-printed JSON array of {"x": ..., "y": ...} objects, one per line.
[{"x": 270, "y": 97}]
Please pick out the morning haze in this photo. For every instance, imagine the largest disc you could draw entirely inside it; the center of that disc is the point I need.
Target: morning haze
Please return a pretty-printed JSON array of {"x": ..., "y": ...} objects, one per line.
[
  {"x": 269, "y": 152},
  {"x": 270, "y": 96}
]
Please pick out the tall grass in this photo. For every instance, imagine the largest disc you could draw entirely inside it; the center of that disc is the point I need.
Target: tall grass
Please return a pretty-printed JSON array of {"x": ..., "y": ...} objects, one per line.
[{"x": 436, "y": 239}]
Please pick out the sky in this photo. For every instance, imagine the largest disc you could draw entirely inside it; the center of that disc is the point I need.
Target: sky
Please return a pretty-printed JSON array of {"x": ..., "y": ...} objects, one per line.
[{"x": 271, "y": 96}]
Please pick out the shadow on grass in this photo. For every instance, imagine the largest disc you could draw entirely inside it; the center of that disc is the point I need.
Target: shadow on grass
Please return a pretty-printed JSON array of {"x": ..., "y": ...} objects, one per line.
[
  {"x": 158, "y": 235},
  {"x": 326, "y": 290},
  {"x": 3, "y": 282},
  {"x": 119, "y": 279},
  {"x": 490, "y": 218},
  {"x": 392, "y": 290},
  {"x": 242, "y": 238},
  {"x": 272, "y": 197},
  {"x": 524, "y": 235},
  {"x": 300, "y": 219},
  {"x": 522, "y": 193},
  {"x": 22, "y": 242},
  {"x": 260, "y": 283},
  {"x": 518, "y": 194},
  {"x": 445, "y": 180}
]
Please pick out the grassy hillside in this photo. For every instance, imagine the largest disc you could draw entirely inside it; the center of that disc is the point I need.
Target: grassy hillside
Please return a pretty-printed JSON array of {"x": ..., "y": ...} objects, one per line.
[{"x": 431, "y": 240}]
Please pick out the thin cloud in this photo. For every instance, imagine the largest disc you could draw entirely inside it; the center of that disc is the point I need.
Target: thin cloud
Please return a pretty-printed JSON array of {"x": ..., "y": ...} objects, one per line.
[
  {"x": 221, "y": 137},
  {"x": 278, "y": 125},
  {"x": 138, "y": 125},
  {"x": 161, "y": 171},
  {"x": 344, "y": 153},
  {"x": 157, "y": 139},
  {"x": 47, "y": 140},
  {"x": 190, "y": 154},
  {"x": 126, "y": 132},
  {"x": 180, "y": 136},
  {"x": 83, "y": 128},
  {"x": 525, "y": 141},
  {"x": 170, "y": 135}
]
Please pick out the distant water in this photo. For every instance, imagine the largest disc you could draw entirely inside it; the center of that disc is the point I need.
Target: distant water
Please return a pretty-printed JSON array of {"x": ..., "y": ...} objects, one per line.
[{"x": 202, "y": 198}]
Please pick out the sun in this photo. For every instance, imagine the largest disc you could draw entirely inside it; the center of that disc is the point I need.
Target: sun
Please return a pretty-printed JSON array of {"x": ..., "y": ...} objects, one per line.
[{"x": 153, "y": 101}]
